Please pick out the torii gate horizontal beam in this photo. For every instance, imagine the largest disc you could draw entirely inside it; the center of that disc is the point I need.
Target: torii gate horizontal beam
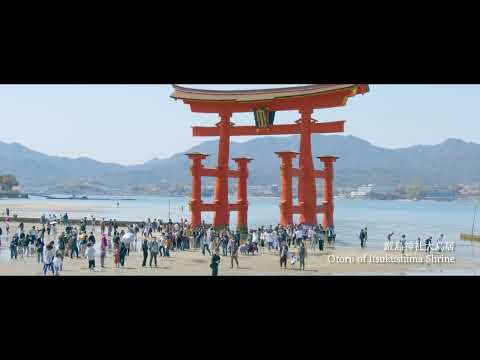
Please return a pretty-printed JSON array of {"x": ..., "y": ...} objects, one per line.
[{"x": 289, "y": 129}]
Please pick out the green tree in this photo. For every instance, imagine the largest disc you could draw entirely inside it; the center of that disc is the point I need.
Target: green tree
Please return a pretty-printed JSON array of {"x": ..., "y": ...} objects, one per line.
[{"x": 7, "y": 182}]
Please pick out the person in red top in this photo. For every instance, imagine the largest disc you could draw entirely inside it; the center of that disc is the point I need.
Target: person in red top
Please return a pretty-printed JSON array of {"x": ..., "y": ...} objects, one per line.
[
  {"x": 103, "y": 250},
  {"x": 116, "y": 255}
]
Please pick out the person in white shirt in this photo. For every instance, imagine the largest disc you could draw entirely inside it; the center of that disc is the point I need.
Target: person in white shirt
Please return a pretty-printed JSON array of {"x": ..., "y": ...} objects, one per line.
[
  {"x": 91, "y": 256},
  {"x": 310, "y": 234},
  {"x": 440, "y": 243},
  {"x": 48, "y": 259},
  {"x": 269, "y": 237},
  {"x": 293, "y": 260},
  {"x": 255, "y": 237},
  {"x": 275, "y": 240},
  {"x": 298, "y": 236},
  {"x": 57, "y": 264},
  {"x": 206, "y": 242}
]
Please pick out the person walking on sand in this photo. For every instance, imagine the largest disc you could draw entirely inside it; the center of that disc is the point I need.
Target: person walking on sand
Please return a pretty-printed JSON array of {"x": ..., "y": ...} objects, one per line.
[
  {"x": 61, "y": 243},
  {"x": 302, "y": 254},
  {"x": 116, "y": 255},
  {"x": 439, "y": 245},
  {"x": 362, "y": 238},
  {"x": 57, "y": 264},
  {"x": 123, "y": 254},
  {"x": 321, "y": 238},
  {"x": 39, "y": 247},
  {"x": 167, "y": 243},
  {"x": 73, "y": 245},
  {"x": 283, "y": 255},
  {"x": 389, "y": 237},
  {"x": 13, "y": 247},
  {"x": 154, "y": 248},
  {"x": 234, "y": 253},
  {"x": 103, "y": 250},
  {"x": 110, "y": 228},
  {"x": 48, "y": 263},
  {"x": 205, "y": 243},
  {"x": 90, "y": 254},
  {"x": 145, "y": 252},
  {"x": 215, "y": 263},
  {"x": 419, "y": 244},
  {"x": 91, "y": 238},
  {"x": 428, "y": 244},
  {"x": 54, "y": 231},
  {"x": 403, "y": 242}
]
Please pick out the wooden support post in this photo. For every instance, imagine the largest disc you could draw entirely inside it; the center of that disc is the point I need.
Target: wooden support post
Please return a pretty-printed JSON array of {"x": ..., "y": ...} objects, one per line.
[
  {"x": 328, "y": 205},
  {"x": 221, "y": 218},
  {"x": 286, "y": 174},
  {"x": 196, "y": 202},
  {"x": 242, "y": 195}
]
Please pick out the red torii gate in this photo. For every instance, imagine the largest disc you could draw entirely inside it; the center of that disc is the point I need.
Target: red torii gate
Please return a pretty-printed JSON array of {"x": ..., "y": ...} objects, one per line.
[
  {"x": 304, "y": 99},
  {"x": 287, "y": 209},
  {"x": 197, "y": 205}
]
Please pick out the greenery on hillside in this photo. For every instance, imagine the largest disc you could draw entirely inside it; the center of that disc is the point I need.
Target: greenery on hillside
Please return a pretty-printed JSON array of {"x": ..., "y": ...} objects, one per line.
[{"x": 8, "y": 182}]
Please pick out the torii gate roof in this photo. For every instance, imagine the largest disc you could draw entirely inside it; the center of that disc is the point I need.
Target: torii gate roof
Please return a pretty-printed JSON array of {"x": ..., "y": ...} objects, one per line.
[{"x": 315, "y": 96}]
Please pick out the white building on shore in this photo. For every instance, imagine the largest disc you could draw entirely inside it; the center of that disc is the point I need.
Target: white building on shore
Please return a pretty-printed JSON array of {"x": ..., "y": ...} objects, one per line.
[{"x": 362, "y": 192}]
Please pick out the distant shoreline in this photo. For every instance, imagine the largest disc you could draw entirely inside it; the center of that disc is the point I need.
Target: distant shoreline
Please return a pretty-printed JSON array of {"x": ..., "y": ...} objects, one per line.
[{"x": 129, "y": 198}]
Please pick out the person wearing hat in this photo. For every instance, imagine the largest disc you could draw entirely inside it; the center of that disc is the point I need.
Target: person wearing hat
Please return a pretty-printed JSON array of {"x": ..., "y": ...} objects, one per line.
[{"x": 215, "y": 262}]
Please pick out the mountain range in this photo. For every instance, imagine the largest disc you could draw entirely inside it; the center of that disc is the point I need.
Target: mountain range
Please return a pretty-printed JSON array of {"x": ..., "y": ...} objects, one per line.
[{"x": 451, "y": 162}]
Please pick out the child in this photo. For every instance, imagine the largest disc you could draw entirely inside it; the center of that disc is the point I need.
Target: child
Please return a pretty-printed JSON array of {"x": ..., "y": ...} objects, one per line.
[
  {"x": 293, "y": 259},
  {"x": 215, "y": 262},
  {"x": 48, "y": 263},
  {"x": 116, "y": 255},
  {"x": 57, "y": 264},
  {"x": 91, "y": 256}
]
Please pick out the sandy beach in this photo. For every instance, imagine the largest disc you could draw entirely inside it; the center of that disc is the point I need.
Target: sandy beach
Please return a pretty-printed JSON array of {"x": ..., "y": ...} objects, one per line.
[{"x": 338, "y": 261}]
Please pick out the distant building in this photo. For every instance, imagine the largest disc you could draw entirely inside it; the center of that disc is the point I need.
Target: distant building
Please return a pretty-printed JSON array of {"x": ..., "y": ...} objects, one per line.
[
  {"x": 439, "y": 194},
  {"x": 275, "y": 190},
  {"x": 362, "y": 192}
]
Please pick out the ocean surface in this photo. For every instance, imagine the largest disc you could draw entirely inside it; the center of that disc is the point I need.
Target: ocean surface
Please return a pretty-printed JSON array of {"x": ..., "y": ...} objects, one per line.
[{"x": 412, "y": 218}]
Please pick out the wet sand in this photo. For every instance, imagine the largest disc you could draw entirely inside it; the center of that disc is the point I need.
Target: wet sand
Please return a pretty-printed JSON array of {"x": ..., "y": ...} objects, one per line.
[{"x": 338, "y": 261}]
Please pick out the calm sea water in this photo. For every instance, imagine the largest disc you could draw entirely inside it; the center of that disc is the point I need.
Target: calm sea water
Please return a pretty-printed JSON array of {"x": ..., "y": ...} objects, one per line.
[{"x": 412, "y": 218}]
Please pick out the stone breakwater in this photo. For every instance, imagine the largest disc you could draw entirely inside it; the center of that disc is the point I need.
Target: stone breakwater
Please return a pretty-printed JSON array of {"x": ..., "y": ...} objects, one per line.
[{"x": 37, "y": 220}]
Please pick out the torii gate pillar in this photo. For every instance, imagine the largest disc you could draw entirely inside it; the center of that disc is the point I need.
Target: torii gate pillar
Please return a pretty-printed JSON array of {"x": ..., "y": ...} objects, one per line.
[
  {"x": 196, "y": 202},
  {"x": 242, "y": 200},
  {"x": 328, "y": 189},
  {"x": 286, "y": 204}
]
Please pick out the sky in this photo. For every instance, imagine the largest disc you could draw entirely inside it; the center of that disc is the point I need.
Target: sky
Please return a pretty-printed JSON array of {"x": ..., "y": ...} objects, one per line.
[{"x": 131, "y": 124}]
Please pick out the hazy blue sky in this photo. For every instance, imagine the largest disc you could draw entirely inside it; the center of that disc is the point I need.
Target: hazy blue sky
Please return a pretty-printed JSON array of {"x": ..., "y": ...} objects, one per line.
[{"x": 130, "y": 124}]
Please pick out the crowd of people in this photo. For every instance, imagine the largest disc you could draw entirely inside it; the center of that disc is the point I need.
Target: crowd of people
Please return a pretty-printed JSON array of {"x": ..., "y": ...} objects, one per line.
[{"x": 156, "y": 239}]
